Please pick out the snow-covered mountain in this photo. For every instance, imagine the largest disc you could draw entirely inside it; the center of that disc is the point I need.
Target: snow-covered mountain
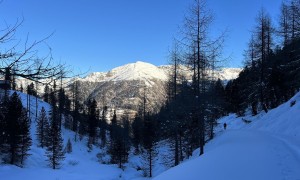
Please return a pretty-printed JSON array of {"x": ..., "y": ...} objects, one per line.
[
  {"x": 124, "y": 87},
  {"x": 138, "y": 71},
  {"x": 144, "y": 71}
]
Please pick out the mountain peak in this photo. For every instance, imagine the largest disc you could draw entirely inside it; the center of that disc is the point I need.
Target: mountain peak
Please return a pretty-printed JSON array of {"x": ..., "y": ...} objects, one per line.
[
  {"x": 137, "y": 71},
  {"x": 147, "y": 72}
]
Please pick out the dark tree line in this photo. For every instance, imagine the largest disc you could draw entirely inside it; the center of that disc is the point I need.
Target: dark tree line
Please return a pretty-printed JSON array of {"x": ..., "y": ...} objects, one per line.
[
  {"x": 271, "y": 73},
  {"x": 15, "y": 139},
  {"x": 48, "y": 132},
  {"x": 196, "y": 102},
  {"x": 269, "y": 78}
]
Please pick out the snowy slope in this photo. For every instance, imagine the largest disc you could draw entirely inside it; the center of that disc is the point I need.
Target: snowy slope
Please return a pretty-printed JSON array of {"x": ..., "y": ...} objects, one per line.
[
  {"x": 79, "y": 165},
  {"x": 267, "y": 148}
]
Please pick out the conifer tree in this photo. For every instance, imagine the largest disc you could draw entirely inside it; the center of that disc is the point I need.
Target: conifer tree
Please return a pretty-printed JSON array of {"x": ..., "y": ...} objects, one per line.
[
  {"x": 54, "y": 149},
  {"x": 92, "y": 122},
  {"x": 61, "y": 104},
  {"x": 103, "y": 127},
  {"x": 17, "y": 138},
  {"x": 68, "y": 121},
  {"x": 68, "y": 148},
  {"x": 3, "y": 121},
  {"x": 119, "y": 145},
  {"x": 75, "y": 107},
  {"x": 42, "y": 128},
  {"x": 25, "y": 138},
  {"x": 137, "y": 132},
  {"x": 113, "y": 126},
  {"x": 21, "y": 88},
  {"x": 13, "y": 115},
  {"x": 82, "y": 125},
  {"x": 149, "y": 143},
  {"x": 46, "y": 94}
]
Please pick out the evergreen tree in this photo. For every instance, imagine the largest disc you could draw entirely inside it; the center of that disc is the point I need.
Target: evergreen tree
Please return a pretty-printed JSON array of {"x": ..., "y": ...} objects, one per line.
[
  {"x": 113, "y": 130},
  {"x": 92, "y": 122},
  {"x": 103, "y": 127},
  {"x": 113, "y": 126},
  {"x": 217, "y": 106},
  {"x": 125, "y": 139},
  {"x": 31, "y": 90},
  {"x": 3, "y": 123},
  {"x": 149, "y": 143},
  {"x": 137, "y": 132},
  {"x": 68, "y": 148},
  {"x": 54, "y": 150},
  {"x": 75, "y": 108},
  {"x": 14, "y": 112},
  {"x": 21, "y": 88},
  {"x": 68, "y": 121},
  {"x": 46, "y": 94},
  {"x": 17, "y": 138},
  {"x": 53, "y": 102},
  {"x": 24, "y": 136},
  {"x": 42, "y": 128},
  {"x": 119, "y": 146},
  {"x": 62, "y": 99}
]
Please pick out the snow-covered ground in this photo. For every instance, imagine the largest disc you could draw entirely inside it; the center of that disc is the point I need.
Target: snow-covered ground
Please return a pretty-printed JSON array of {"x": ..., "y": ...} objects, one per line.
[
  {"x": 268, "y": 147},
  {"x": 81, "y": 164}
]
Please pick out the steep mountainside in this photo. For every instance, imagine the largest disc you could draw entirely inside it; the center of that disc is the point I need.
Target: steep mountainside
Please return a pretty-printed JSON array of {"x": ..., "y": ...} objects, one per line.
[{"x": 124, "y": 87}]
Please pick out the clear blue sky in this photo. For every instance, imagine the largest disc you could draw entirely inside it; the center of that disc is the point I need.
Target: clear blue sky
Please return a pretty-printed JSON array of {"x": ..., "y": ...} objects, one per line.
[{"x": 102, "y": 34}]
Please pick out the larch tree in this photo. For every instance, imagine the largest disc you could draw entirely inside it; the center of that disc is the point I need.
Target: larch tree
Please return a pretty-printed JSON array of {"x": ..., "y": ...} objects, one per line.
[
  {"x": 202, "y": 52},
  {"x": 264, "y": 32}
]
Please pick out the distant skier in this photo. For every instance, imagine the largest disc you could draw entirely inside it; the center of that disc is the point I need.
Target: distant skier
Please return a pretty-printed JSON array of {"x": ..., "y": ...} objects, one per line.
[{"x": 225, "y": 125}]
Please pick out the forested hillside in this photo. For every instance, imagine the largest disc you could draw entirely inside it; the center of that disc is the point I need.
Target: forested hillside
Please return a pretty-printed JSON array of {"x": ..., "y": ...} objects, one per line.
[{"x": 139, "y": 120}]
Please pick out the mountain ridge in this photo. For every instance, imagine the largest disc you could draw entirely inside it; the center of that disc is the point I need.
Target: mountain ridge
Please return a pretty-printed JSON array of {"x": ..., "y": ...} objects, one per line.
[
  {"x": 123, "y": 88},
  {"x": 140, "y": 70}
]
